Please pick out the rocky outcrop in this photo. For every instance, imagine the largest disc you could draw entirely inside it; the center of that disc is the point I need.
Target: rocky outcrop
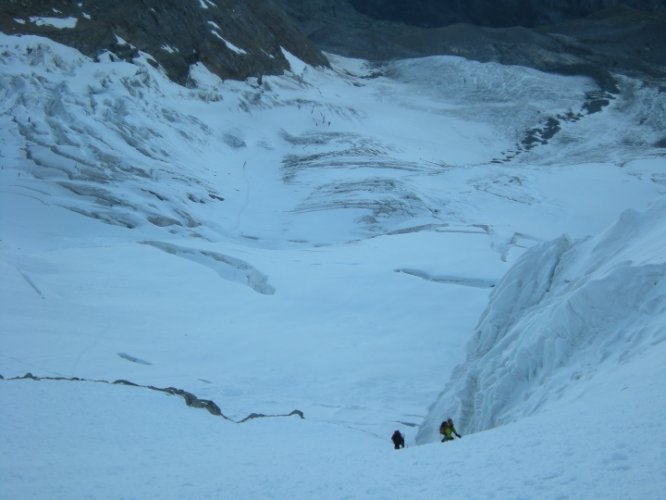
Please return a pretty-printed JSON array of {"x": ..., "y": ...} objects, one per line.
[{"x": 233, "y": 38}]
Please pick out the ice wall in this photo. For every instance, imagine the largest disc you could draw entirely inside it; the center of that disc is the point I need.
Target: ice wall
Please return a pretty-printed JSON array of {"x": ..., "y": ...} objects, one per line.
[{"x": 567, "y": 312}]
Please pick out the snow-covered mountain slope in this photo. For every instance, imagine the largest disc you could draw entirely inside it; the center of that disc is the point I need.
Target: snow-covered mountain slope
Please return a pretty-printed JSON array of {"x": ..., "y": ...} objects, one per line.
[
  {"x": 73, "y": 440},
  {"x": 325, "y": 241},
  {"x": 237, "y": 39},
  {"x": 567, "y": 315}
]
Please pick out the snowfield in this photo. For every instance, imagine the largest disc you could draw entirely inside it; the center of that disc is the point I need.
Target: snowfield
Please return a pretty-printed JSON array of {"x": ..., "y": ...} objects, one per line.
[{"x": 376, "y": 246}]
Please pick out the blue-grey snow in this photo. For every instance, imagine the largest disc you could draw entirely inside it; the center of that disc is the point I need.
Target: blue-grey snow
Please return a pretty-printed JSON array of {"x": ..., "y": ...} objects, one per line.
[{"x": 374, "y": 247}]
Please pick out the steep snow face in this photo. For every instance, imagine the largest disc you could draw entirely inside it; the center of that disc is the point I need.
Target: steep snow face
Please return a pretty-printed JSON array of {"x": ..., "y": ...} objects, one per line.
[
  {"x": 303, "y": 216},
  {"x": 567, "y": 314},
  {"x": 325, "y": 241}
]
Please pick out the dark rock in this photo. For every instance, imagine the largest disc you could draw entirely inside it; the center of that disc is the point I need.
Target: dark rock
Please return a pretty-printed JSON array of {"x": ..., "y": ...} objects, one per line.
[
  {"x": 211, "y": 407},
  {"x": 190, "y": 399},
  {"x": 618, "y": 39},
  {"x": 491, "y": 13},
  {"x": 252, "y": 416},
  {"x": 243, "y": 38},
  {"x": 233, "y": 38},
  {"x": 194, "y": 402},
  {"x": 125, "y": 382}
]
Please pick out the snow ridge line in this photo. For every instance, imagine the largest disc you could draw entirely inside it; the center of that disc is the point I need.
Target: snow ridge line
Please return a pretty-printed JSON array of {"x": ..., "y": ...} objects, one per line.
[{"x": 190, "y": 399}]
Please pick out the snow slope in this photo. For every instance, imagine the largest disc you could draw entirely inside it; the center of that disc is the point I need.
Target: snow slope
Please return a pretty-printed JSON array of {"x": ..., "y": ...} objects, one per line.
[{"x": 325, "y": 241}]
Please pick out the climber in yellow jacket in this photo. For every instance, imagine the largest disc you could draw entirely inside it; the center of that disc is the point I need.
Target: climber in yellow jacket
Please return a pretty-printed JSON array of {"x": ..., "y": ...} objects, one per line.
[{"x": 448, "y": 430}]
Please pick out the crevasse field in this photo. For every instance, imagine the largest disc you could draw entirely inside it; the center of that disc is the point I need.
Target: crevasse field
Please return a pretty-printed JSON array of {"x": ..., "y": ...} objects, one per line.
[{"x": 376, "y": 246}]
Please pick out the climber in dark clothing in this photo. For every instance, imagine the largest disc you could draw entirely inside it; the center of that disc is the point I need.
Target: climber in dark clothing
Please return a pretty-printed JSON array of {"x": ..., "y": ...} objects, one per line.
[
  {"x": 398, "y": 440},
  {"x": 447, "y": 430}
]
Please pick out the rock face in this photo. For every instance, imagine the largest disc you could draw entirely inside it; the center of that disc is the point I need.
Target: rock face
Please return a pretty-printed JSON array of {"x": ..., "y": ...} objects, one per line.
[
  {"x": 491, "y": 13},
  {"x": 616, "y": 39},
  {"x": 242, "y": 38},
  {"x": 233, "y": 38}
]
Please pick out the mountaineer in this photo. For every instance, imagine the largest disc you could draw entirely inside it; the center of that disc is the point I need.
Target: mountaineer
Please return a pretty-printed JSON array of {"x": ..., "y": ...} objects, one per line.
[
  {"x": 447, "y": 430},
  {"x": 398, "y": 440}
]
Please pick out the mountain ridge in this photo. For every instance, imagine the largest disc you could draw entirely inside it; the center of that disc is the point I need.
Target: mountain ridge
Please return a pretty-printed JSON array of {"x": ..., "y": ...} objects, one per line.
[
  {"x": 234, "y": 38},
  {"x": 614, "y": 39},
  {"x": 240, "y": 39}
]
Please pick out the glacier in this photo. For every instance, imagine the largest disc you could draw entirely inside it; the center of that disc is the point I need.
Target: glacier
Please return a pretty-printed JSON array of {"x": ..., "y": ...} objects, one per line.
[{"x": 347, "y": 241}]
